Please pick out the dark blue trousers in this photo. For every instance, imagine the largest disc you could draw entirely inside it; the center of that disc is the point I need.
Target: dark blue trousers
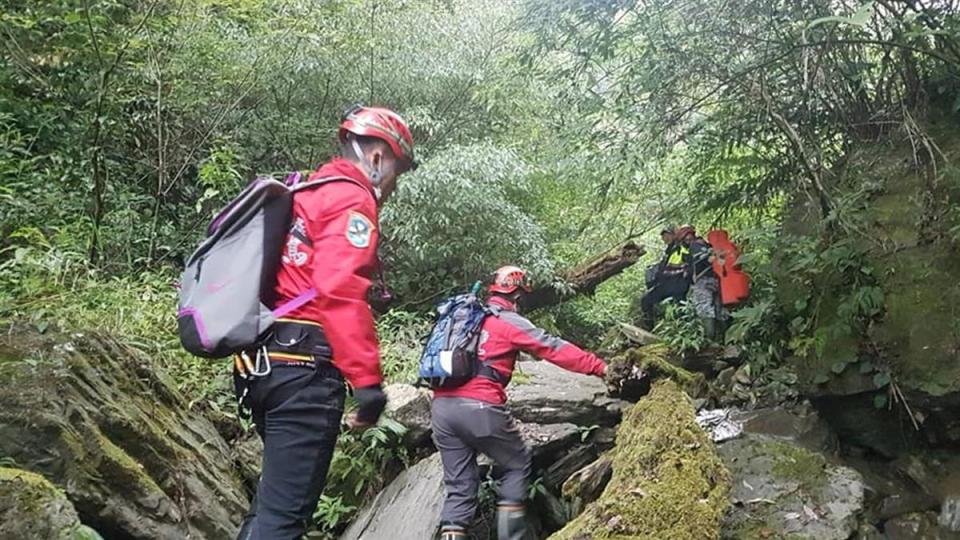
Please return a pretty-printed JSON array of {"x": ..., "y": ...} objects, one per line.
[{"x": 297, "y": 411}]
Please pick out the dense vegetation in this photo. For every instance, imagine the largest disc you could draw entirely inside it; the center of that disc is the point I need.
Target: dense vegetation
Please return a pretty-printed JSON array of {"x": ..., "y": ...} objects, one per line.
[{"x": 550, "y": 131}]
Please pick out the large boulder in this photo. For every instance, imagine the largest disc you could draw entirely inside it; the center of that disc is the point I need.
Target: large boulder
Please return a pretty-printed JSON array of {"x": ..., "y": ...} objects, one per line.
[
  {"x": 410, "y": 406},
  {"x": 668, "y": 481},
  {"x": 909, "y": 267},
  {"x": 547, "y": 441},
  {"x": 800, "y": 425},
  {"x": 547, "y": 394},
  {"x": 408, "y": 508},
  {"x": 781, "y": 490},
  {"x": 97, "y": 419},
  {"x": 31, "y": 507}
]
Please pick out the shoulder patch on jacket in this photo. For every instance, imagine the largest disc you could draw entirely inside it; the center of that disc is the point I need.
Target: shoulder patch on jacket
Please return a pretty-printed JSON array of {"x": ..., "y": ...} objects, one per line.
[{"x": 359, "y": 229}]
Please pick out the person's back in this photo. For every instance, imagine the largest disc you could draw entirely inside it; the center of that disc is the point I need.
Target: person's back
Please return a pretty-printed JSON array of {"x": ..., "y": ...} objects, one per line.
[
  {"x": 700, "y": 259},
  {"x": 472, "y": 418},
  {"x": 706, "y": 287},
  {"x": 329, "y": 258}
]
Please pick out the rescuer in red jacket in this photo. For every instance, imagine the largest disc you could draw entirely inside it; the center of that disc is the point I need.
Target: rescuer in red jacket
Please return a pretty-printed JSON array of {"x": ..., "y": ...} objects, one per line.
[
  {"x": 472, "y": 418},
  {"x": 332, "y": 247}
]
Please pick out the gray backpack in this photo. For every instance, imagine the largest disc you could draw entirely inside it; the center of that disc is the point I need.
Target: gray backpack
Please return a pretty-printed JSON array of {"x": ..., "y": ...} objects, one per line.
[{"x": 227, "y": 288}]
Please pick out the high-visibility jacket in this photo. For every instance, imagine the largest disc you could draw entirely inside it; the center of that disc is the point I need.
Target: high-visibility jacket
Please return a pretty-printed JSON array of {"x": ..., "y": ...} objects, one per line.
[{"x": 676, "y": 261}]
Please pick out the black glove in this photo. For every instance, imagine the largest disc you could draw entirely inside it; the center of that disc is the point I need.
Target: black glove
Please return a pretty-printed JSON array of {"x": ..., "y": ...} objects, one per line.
[{"x": 372, "y": 400}]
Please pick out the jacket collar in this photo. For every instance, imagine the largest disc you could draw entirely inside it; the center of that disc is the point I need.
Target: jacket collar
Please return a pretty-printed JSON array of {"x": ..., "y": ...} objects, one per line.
[
  {"x": 339, "y": 166},
  {"x": 502, "y": 303}
]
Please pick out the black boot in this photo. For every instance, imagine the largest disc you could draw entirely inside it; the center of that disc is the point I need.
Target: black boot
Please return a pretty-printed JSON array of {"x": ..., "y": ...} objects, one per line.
[{"x": 511, "y": 521}]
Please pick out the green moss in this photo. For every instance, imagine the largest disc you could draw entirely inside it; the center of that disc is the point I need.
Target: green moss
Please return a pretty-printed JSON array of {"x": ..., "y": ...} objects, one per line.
[
  {"x": 797, "y": 464},
  {"x": 920, "y": 328},
  {"x": 910, "y": 258},
  {"x": 105, "y": 461},
  {"x": 33, "y": 490},
  {"x": 668, "y": 481},
  {"x": 520, "y": 377},
  {"x": 655, "y": 361},
  {"x": 32, "y": 507},
  {"x": 918, "y": 280}
]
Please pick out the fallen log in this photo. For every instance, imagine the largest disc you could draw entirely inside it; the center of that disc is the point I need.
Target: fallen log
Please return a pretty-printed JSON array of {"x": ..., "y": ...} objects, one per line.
[{"x": 585, "y": 278}]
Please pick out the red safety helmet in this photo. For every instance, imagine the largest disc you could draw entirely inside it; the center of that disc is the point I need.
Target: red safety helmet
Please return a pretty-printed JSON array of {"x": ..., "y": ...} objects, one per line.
[
  {"x": 684, "y": 230},
  {"x": 383, "y": 124},
  {"x": 507, "y": 279}
]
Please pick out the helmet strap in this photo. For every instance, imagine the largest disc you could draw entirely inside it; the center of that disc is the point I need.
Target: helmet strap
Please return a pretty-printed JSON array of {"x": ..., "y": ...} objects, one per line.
[{"x": 374, "y": 175}]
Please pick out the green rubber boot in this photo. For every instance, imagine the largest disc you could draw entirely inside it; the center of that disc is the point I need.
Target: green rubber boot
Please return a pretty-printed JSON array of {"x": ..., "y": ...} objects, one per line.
[
  {"x": 511, "y": 521},
  {"x": 452, "y": 532},
  {"x": 709, "y": 328}
]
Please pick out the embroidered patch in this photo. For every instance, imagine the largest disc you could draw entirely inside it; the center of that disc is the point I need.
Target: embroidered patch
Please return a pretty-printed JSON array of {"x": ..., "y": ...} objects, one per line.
[
  {"x": 359, "y": 229},
  {"x": 292, "y": 254}
]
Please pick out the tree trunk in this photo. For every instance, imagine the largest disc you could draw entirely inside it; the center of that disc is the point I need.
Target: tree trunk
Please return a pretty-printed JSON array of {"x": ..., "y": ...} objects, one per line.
[{"x": 585, "y": 278}]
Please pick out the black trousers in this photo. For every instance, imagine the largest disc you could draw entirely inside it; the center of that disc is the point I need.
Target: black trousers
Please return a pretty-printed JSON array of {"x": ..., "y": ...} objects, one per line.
[
  {"x": 672, "y": 288},
  {"x": 297, "y": 412}
]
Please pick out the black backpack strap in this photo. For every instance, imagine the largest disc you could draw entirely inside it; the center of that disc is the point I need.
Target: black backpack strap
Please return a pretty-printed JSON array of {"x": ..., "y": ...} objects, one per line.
[{"x": 486, "y": 370}]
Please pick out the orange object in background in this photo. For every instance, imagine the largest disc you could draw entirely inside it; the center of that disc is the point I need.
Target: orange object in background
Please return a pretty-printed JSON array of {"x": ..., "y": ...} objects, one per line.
[{"x": 734, "y": 283}]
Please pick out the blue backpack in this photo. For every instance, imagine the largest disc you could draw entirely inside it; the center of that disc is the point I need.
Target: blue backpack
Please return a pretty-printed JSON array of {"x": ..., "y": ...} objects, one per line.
[{"x": 450, "y": 357}]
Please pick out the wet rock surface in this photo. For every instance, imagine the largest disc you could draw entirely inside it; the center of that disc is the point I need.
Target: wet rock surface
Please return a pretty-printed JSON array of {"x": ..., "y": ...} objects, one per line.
[
  {"x": 799, "y": 424},
  {"x": 408, "y": 508},
  {"x": 551, "y": 395},
  {"x": 547, "y": 441},
  {"x": 917, "y": 526},
  {"x": 93, "y": 417},
  {"x": 781, "y": 489},
  {"x": 950, "y": 514},
  {"x": 585, "y": 486},
  {"x": 410, "y": 406}
]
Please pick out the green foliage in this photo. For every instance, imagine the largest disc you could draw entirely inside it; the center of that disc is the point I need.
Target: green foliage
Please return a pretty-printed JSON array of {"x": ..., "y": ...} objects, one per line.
[
  {"x": 361, "y": 466},
  {"x": 402, "y": 336},
  {"x": 680, "y": 328},
  {"x": 459, "y": 218},
  {"x": 332, "y": 512},
  {"x": 50, "y": 287}
]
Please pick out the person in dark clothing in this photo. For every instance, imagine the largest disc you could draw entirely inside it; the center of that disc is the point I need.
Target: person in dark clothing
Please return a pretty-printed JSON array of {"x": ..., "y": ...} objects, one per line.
[
  {"x": 706, "y": 285},
  {"x": 672, "y": 279}
]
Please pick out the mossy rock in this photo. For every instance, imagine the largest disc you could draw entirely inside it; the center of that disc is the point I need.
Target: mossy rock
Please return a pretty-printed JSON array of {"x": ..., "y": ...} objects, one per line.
[
  {"x": 646, "y": 364},
  {"x": 97, "y": 419},
  {"x": 783, "y": 491},
  {"x": 913, "y": 262},
  {"x": 668, "y": 480},
  {"x": 32, "y": 507}
]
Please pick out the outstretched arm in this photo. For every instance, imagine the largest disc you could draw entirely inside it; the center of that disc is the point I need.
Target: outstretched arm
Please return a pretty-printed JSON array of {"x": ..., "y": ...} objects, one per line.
[{"x": 527, "y": 337}]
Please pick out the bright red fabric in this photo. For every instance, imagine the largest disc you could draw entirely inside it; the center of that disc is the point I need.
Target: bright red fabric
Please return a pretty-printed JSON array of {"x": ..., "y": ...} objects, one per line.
[
  {"x": 340, "y": 264},
  {"x": 503, "y": 337}
]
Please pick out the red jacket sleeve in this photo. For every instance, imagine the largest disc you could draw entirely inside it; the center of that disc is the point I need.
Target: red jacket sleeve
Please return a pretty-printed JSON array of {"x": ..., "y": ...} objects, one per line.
[
  {"x": 527, "y": 337},
  {"x": 344, "y": 240}
]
